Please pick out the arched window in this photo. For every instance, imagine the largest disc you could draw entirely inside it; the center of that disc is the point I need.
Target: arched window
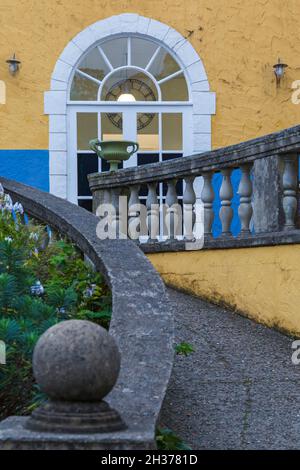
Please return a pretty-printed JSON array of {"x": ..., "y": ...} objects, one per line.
[
  {"x": 129, "y": 69},
  {"x": 125, "y": 77},
  {"x": 128, "y": 88}
]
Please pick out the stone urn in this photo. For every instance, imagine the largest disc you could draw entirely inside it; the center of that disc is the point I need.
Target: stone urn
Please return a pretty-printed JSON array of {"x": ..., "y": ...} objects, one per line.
[{"x": 113, "y": 151}]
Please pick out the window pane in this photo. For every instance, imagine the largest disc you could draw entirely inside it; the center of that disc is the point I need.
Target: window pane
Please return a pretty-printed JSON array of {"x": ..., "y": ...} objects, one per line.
[
  {"x": 83, "y": 89},
  {"x": 116, "y": 51},
  {"x": 170, "y": 156},
  {"x": 179, "y": 188},
  {"x": 163, "y": 65},
  {"x": 141, "y": 51},
  {"x": 147, "y": 158},
  {"x": 86, "y": 164},
  {"x": 111, "y": 126},
  {"x": 175, "y": 89},
  {"x": 86, "y": 204},
  {"x": 172, "y": 131},
  {"x": 129, "y": 82},
  {"x": 87, "y": 129},
  {"x": 147, "y": 131},
  {"x": 93, "y": 64}
]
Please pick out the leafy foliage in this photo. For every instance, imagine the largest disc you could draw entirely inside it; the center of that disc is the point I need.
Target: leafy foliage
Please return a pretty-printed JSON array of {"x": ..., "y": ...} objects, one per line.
[
  {"x": 184, "y": 348},
  {"x": 166, "y": 439},
  {"x": 70, "y": 288}
]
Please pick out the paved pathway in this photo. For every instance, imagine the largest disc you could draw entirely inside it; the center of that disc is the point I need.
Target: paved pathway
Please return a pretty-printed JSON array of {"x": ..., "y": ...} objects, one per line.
[{"x": 239, "y": 390}]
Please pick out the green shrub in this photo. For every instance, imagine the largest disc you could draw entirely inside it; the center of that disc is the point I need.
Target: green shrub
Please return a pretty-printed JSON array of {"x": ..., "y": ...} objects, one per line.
[
  {"x": 166, "y": 439},
  {"x": 41, "y": 284},
  {"x": 184, "y": 348}
]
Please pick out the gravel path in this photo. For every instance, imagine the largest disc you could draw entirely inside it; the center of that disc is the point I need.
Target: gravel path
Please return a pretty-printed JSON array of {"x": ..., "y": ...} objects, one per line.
[{"x": 239, "y": 390}]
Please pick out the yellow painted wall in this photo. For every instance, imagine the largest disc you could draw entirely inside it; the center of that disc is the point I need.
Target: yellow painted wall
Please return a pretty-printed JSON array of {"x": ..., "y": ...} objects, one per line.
[
  {"x": 238, "y": 41},
  {"x": 262, "y": 283}
]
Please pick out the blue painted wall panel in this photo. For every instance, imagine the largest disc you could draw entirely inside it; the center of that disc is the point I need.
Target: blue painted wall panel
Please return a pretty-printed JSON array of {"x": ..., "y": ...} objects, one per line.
[{"x": 26, "y": 166}]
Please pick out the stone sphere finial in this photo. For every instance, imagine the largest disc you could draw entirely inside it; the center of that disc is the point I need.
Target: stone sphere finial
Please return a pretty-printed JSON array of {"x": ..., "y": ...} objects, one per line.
[
  {"x": 76, "y": 360},
  {"x": 76, "y": 363}
]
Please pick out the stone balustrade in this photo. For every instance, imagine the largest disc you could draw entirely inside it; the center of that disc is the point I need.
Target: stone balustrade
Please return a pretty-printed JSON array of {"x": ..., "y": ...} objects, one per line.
[{"x": 267, "y": 192}]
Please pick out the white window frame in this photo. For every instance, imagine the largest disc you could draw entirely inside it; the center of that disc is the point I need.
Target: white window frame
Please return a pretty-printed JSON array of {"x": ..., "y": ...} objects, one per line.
[
  {"x": 130, "y": 133},
  {"x": 57, "y": 104}
]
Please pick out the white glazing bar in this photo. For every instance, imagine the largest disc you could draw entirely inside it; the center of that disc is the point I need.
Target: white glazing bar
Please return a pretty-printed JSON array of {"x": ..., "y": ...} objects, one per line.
[
  {"x": 169, "y": 77},
  {"x": 153, "y": 58},
  {"x": 89, "y": 77},
  {"x": 99, "y": 124},
  {"x": 105, "y": 58},
  {"x": 129, "y": 50}
]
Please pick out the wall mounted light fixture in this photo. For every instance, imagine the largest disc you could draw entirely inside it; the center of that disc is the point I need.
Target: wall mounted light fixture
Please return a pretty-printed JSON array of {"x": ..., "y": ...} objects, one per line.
[
  {"x": 279, "y": 70},
  {"x": 13, "y": 65}
]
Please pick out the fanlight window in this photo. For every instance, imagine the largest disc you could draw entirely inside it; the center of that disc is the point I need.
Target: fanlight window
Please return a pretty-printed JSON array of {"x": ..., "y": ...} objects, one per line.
[{"x": 128, "y": 69}]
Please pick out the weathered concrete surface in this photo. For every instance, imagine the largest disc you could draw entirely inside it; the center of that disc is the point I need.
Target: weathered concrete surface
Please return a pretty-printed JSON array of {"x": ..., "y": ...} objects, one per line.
[
  {"x": 289, "y": 237},
  {"x": 267, "y": 194},
  {"x": 239, "y": 390}
]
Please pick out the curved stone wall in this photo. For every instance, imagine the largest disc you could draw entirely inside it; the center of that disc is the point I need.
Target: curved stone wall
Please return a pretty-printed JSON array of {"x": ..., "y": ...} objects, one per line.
[{"x": 142, "y": 322}]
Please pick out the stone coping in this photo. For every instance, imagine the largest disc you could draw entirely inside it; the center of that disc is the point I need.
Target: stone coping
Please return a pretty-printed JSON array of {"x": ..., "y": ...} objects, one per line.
[
  {"x": 286, "y": 141},
  {"x": 142, "y": 322},
  {"x": 289, "y": 237}
]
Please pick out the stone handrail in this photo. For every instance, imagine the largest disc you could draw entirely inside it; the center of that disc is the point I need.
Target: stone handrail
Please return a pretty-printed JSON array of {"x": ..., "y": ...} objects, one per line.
[
  {"x": 268, "y": 188},
  {"x": 142, "y": 322}
]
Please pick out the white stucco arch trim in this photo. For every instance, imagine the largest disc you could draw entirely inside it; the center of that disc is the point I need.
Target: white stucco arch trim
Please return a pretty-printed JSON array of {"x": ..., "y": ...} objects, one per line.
[{"x": 55, "y": 100}]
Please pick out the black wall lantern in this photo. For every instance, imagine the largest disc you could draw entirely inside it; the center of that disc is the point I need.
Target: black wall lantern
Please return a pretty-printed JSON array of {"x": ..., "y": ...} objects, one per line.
[
  {"x": 13, "y": 65},
  {"x": 279, "y": 70}
]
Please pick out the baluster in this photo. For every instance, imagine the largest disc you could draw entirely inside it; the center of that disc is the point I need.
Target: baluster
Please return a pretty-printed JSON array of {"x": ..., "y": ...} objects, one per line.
[
  {"x": 100, "y": 197},
  {"x": 115, "y": 193},
  {"x": 189, "y": 216},
  {"x": 226, "y": 194},
  {"x": 152, "y": 212},
  {"x": 207, "y": 197},
  {"x": 245, "y": 210},
  {"x": 172, "y": 212},
  {"x": 118, "y": 220},
  {"x": 106, "y": 196},
  {"x": 289, "y": 182},
  {"x": 134, "y": 227}
]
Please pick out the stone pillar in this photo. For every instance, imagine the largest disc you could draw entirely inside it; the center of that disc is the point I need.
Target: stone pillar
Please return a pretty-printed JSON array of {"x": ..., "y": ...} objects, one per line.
[{"x": 267, "y": 194}]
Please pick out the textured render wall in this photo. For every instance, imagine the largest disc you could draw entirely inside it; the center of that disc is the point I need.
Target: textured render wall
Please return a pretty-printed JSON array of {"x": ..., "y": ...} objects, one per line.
[
  {"x": 237, "y": 40},
  {"x": 262, "y": 283}
]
